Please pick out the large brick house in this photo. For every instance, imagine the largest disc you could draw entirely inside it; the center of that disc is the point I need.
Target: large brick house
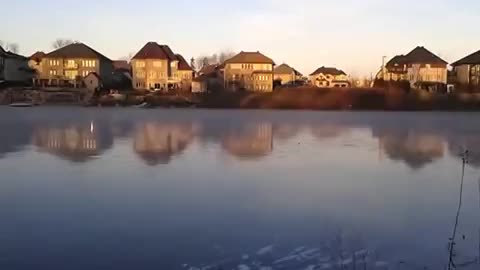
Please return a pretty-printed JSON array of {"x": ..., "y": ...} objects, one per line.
[
  {"x": 156, "y": 67},
  {"x": 329, "y": 77},
  {"x": 68, "y": 66},
  {"x": 420, "y": 67},
  {"x": 250, "y": 71}
]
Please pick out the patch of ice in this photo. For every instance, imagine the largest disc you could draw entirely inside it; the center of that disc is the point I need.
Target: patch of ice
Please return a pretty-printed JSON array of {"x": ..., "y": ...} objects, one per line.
[
  {"x": 243, "y": 267},
  {"x": 381, "y": 264},
  {"x": 245, "y": 257},
  {"x": 286, "y": 259},
  {"x": 265, "y": 250}
]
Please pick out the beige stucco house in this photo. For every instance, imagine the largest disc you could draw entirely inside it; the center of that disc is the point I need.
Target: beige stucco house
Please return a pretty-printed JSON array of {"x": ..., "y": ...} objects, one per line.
[
  {"x": 14, "y": 67},
  {"x": 286, "y": 74},
  {"x": 420, "y": 67},
  {"x": 156, "y": 67},
  {"x": 467, "y": 71},
  {"x": 250, "y": 71},
  {"x": 68, "y": 66},
  {"x": 329, "y": 77}
]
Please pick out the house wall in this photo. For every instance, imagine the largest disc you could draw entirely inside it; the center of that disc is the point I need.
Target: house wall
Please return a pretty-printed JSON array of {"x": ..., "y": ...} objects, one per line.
[
  {"x": 425, "y": 73},
  {"x": 68, "y": 68},
  {"x": 285, "y": 78},
  {"x": 2, "y": 68},
  {"x": 185, "y": 77},
  {"x": 15, "y": 70},
  {"x": 463, "y": 74},
  {"x": 238, "y": 76},
  {"x": 147, "y": 73},
  {"x": 327, "y": 80}
]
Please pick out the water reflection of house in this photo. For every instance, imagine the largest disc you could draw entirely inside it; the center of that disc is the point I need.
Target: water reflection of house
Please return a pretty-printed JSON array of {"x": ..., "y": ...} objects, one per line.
[
  {"x": 285, "y": 131},
  {"x": 74, "y": 143},
  {"x": 415, "y": 149},
  {"x": 251, "y": 142},
  {"x": 157, "y": 143},
  {"x": 328, "y": 131}
]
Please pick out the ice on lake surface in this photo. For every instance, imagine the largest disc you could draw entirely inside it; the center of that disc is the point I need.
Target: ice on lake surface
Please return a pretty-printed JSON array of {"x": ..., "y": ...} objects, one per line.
[{"x": 86, "y": 188}]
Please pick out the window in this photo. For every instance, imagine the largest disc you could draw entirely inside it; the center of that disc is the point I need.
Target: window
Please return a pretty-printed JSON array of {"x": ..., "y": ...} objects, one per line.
[
  {"x": 152, "y": 75},
  {"x": 53, "y": 72},
  {"x": 155, "y": 64},
  {"x": 141, "y": 74},
  {"x": 140, "y": 64},
  {"x": 88, "y": 63},
  {"x": 428, "y": 65},
  {"x": 85, "y": 73},
  {"x": 53, "y": 62},
  {"x": 70, "y": 63},
  {"x": 173, "y": 64}
]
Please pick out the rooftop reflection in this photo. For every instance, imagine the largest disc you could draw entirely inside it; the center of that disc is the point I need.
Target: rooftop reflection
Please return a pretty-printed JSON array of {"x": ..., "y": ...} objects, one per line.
[
  {"x": 157, "y": 143},
  {"x": 76, "y": 142},
  {"x": 250, "y": 142}
]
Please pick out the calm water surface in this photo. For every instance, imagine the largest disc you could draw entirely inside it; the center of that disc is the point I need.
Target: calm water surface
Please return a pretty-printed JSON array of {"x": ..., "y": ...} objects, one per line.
[{"x": 179, "y": 189}]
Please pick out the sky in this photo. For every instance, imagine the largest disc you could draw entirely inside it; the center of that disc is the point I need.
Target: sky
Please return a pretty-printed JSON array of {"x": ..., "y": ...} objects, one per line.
[{"x": 352, "y": 35}]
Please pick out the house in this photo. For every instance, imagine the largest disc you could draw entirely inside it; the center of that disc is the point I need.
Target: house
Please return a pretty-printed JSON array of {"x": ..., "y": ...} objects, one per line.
[
  {"x": 210, "y": 79},
  {"x": 93, "y": 81},
  {"x": 467, "y": 71},
  {"x": 420, "y": 67},
  {"x": 185, "y": 73},
  {"x": 14, "y": 68},
  {"x": 156, "y": 67},
  {"x": 250, "y": 71},
  {"x": 69, "y": 65},
  {"x": 284, "y": 74},
  {"x": 329, "y": 77}
]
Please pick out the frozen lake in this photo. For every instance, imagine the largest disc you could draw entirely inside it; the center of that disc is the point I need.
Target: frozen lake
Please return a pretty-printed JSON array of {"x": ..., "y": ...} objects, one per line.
[{"x": 87, "y": 188}]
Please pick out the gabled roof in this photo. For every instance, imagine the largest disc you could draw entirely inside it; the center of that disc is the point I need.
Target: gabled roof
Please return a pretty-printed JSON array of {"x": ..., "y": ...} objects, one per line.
[
  {"x": 38, "y": 56},
  {"x": 396, "y": 61},
  {"x": 472, "y": 59},
  {"x": 250, "y": 57},
  {"x": 286, "y": 69},
  {"x": 329, "y": 71},
  {"x": 169, "y": 52},
  {"x": 420, "y": 55},
  {"x": 153, "y": 50},
  {"x": 1, "y": 50},
  {"x": 77, "y": 50},
  {"x": 182, "y": 63},
  {"x": 209, "y": 69}
]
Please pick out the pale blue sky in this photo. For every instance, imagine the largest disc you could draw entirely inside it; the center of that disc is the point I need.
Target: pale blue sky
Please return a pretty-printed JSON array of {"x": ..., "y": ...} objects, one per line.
[{"x": 349, "y": 34}]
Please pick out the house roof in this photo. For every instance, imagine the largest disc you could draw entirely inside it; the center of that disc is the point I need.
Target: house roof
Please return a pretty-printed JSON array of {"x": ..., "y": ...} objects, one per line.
[
  {"x": 471, "y": 59},
  {"x": 95, "y": 75},
  {"x": 286, "y": 69},
  {"x": 76, "y": 50},
  {"x": 182, "y": 63},
  {"x": 153, "y": 50},
  {"x": 38, "y": 56},
  {"x": 420, "y": 55},
  {"x": 9, "y": 54},
  {"x": 250, "y": 57},
  {"x": 1, "y": 50},
  {"x": 398, "y": 60},
  {"x": 208, "y": 69},
  {"x": 328, "y": 70}
]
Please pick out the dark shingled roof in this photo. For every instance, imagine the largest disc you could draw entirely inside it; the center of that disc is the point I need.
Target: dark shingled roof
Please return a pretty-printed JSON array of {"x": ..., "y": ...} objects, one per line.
[
  {"x": 182, "y": 63},
  {"x": 286, "y": 69},
  {"x": 328, "y": 70},
  {"x": 420, "y": 55},
  {"x": 209, "y": 69},
  {"x": 1, "y": 50},
  {"x": 76, "y": 50},
  {"x": 38, "y": 56},
  {"x": 153, "y": 50},
  {"x": 250, "y": 57},
  {"x": 396, "y": 61},
  {"x": 472, "y": 59}
]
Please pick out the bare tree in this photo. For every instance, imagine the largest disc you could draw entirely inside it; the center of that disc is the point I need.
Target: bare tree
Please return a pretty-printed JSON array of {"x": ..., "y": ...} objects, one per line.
[
  {"x": 215, "y": 58},
  {"x": 13, "y": 47},
  {"x": 60, "y": 43},
  {"x": 128, "y": 57},
  {"x": 192, "y": 64},
  {"x": 205, "y": 62},
  {"x": 2, "y": 44}
]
